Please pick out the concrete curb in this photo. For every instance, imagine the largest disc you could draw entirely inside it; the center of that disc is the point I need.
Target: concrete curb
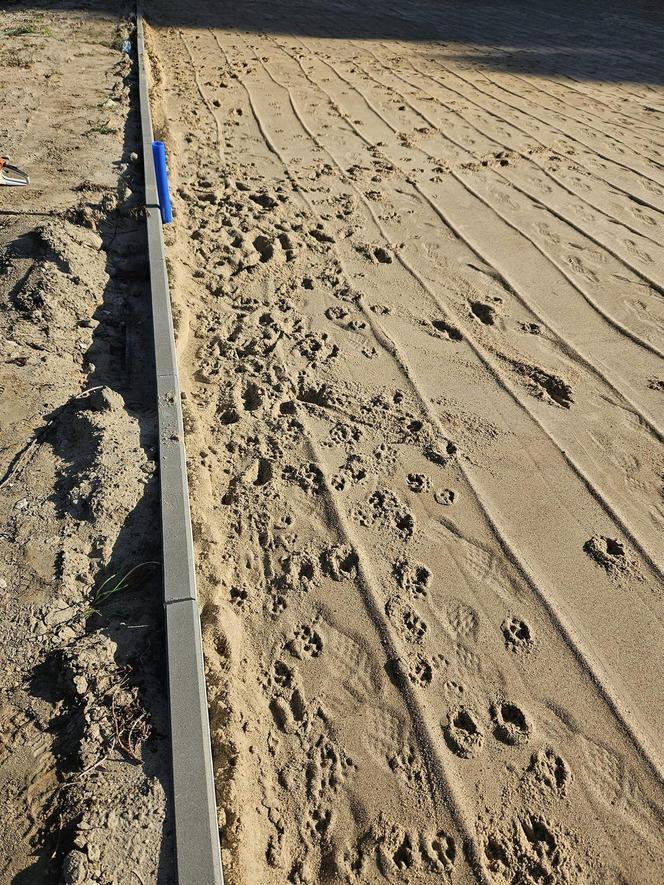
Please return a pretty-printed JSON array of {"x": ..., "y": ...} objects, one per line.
[{"x": 198, "y": 856}]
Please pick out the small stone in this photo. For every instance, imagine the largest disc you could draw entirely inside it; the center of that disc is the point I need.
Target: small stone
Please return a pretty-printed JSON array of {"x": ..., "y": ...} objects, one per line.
[
  {"x": 66, "y": 634},
  {"x": 74, "y": 868},
  {"x": 59, "y": 615},
  {"x": 81, "y": 684},
  {"x": 104, "y": 400}
]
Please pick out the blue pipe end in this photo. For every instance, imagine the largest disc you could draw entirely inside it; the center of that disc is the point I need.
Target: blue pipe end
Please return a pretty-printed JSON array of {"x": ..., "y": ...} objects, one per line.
[{"x": 161, "y": 172}]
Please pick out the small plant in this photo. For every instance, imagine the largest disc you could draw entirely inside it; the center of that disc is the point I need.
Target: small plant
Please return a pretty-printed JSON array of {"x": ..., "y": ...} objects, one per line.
[
  {"x": 27, "y": 30},
  {"x": 100, "y": 128},
  {"x": 113, "y": 585},
  {"x": 20, "y": 31}
]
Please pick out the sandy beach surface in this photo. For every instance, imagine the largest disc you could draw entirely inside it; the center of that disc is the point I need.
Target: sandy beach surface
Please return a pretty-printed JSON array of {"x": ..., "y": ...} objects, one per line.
[{"x": 418, "y": 270}]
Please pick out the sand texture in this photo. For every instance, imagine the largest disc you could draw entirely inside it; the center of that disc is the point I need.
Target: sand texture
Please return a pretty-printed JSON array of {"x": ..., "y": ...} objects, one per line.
[
  {"x": 418, "y": 267},
  {"x": 418, "y": 283}
]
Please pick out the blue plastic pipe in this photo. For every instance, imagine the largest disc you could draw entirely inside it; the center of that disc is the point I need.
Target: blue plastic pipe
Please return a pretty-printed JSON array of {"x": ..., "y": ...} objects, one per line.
[{"x": 159, "y": 155}]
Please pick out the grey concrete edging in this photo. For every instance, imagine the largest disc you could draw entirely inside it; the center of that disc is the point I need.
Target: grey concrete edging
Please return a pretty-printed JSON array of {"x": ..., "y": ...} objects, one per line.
[{"x": 198, "y": 856}]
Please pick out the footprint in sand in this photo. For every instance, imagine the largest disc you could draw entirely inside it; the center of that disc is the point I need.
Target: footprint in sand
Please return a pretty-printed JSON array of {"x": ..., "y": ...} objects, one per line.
[
  {"x": 446, "y": 331},
  {"x": 306, "y": 642},
  {"x": 421, "y": 673},
  {"x": 415, "y": 626},
  {"x": 446, "y": 497},
  {"x": 609, "y": 553},
  {"x": 485, "y": 313},
  {"x": 549, "y": 771},
  {"x": 338, "y": 562},
  {"x": 412, "y": 576},
  {"x": 463, "y": 620},
  {"x": 463, "y": 733},
  {"x": 531, "y": 850},
  {"x": 518, "y": 635},
  {"x": 510, "y": 725}
]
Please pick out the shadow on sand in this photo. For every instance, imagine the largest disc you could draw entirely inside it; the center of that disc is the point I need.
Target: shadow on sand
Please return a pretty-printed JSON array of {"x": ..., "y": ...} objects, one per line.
[{"x": 605, "y": 40}]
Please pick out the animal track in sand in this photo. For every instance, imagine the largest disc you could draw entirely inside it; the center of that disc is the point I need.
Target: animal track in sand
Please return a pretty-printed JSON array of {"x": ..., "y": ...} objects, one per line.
[
  {"x": 385, "y": 509},
  {"x": 283, "y": 675},
  {"x": 439, "y": 851},
  {"x": 485, "y": 313},
  {"x": 307, "y": 476},
  {"x": 609, "y": 553},
  {"x": 545, "y": 385},
  {"x": 415, "y": 626},
  {"x": 382, "y": 255},
  {"x": 407, "y": 765},
  {"x": 338, "y": 562},
  {"x": 418, "y": 482},
  {"x": 353, "y": 471},
  {"x": 463, "y": 620},
  {"x": 446, "y": 497},
  {"x": 518, "y": 636},
  {"x": 229, "y": 416},
  {"x": 306, "y": 641},
  {"x": 288, "y": 715},
  {"x": 441, "y": 453},
  {"x": 239, "y": 596},
  {"x": 413, "y": 577},
  {"x": 328, "y": 768},
  {"x": 463, "y": 733},
  {"x": 531, "y": 850},
  {"x": 549, "y": 770},
  {"x": 421, "y": 672},
  {"x": 337, "y": 313},
  {"x": 401, "y": 852},
  {"x": 345, "y": 434},
  {"x": 454, "y": 689},
  {"x": 510, "y": 725},
  {"x": 317, "y": 348},
  {"x": 451, "y": 333}
]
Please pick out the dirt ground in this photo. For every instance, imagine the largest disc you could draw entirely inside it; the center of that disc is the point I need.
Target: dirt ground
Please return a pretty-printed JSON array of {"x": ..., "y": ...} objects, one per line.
[
  {"x": 83, "y": 726},
  {"x": 418, "y": 269}
]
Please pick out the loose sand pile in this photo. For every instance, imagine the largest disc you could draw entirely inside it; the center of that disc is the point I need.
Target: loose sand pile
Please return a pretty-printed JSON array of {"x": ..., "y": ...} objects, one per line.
[{"x": 418, "y": 268}]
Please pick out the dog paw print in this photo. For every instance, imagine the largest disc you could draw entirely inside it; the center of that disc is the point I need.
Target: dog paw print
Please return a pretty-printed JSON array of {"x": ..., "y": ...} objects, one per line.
[
  {"x": 415, "y": 626},
  {"x": 306, "y": 643},
  {"x": 510, "y": 725},
  {"x": 549, "y": 770},
  {"x": 239, "y": 596},
  {"x": 421, "y": 673},
  {"x": 463, "y": 733},
  {"x": 518, "y": 635}
]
